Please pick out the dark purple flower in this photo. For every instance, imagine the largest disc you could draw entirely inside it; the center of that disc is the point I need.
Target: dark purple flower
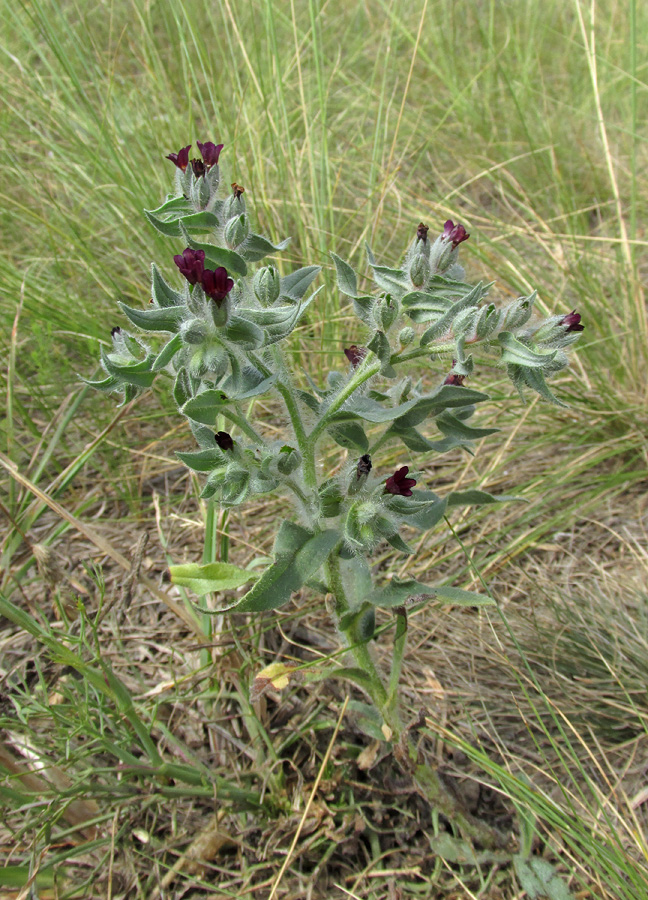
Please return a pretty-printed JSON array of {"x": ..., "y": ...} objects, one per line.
[
  {"x": 181, "y": 158},
  {"x": 453, "y": 378},
  {"x": 455, "y": 233},
  {"x": 355, "y": 355},
  {"x": 572, "y": 321},
  {"x": 364, "y": 466},
  {"x": 237, "y": 190},
  {"x": 399, "y": 483},
  {"x": 224, "y": 440},
  {"x": 191, "y": 263},
  {"x": 198, "y": 167},
  {"x": 421, "y": 232},
  {"x": 210, "y": 153},
  {"x": 216, "y": 284},
  {"x": 115, "y": 330}
]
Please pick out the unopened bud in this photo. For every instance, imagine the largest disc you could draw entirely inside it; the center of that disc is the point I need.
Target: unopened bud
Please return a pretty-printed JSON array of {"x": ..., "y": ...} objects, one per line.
[
  {"x": 487, "y": 321},
  {"x": 236, "y": 231},
  {"x": 193, "y": 331},
  {"x": 289, "y": 459},
  {"x": 406, "y": 336},
  {"x": 267, "y": 285},
  {"x": 385, "y": 312},
  {"x": 519, "y": 312},
  {"x": 419, "y": 270}
]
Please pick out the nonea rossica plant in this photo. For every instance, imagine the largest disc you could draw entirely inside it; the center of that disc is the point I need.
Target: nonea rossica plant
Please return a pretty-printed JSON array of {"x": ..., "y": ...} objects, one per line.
[{"x": 229, "y": 318}]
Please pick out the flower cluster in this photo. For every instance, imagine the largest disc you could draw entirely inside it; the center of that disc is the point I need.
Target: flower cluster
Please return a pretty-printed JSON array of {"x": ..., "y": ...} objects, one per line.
[
  {"x": 214, "y": 282},
  {"x": 209, "y": 152}
]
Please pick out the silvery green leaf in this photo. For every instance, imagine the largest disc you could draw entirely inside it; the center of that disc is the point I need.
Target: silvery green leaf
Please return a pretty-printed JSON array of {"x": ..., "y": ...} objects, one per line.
[
  {"x": 288, "y": 573},
  {"x": 235, "y": 487},
  {"x": 367, "y": 719},
  {"x": 167, "y": 353},
  {"x": 371, "y": 259},
  {"x": 539, "y": 879},
  {"x": 393, "y": 280},
  {"x": 422, "y": 510},
  {"x": 443, "y": 325},
  {"x": 295, "y": 285},
  {"x": 243, "y": 333},
  {"x": 203, "y": 460},
  {"x": 206, "y": 407},
  {"x": 474, "y": 497},
  {"x": 137, "y": 374},
  {"x": 421, "y": 306},
  {"x": 350, "y": 435},
  {"x": 153, "y": 319},
  {"x": 172, "y": 227},
  {"x": 182, "y": 388},
  {"x": 397, "y": 542},
  {"x": 398, "y": 591},
  {"x": 161, "y": 292},
  {"x": 360, "y": 623},
  {"x": 347, "y": 280},
  {"x": 363, "y": 308},
  {"x": 217, "y": 256},
  {"x": 451, "y": 426},
  {"x": 447, "y": 396},
  {"x": 417, "y": 442},
  {"x": 517, "y": 353},
  {"x": 379, "y": 344},
  {"x": 458, "y": 597},
  {"x": 521, "y": 376},
  {"x": 172, "y": 206},
  {"x": 247, "y": 382},
  {"x": 356, "y": 578},
  {"x": 214, "y": 576},
  {"x": 330, "y": 496},
  {"x": 107, "y": 385},
  {"x": 256, "y": 247}
]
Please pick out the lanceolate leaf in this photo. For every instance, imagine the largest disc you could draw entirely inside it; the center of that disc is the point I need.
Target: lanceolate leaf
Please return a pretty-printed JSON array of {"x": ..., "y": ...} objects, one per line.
[
  {"x": 516, "y": 352},
  {"x": 346, "y": 278},
  {"x": 475, "y": 497},
  {"x": 206, "y": 407},
  {"x": 217, "y": 256},
  {"x": 203, "y": 460},
  {"x": 167, "y": 353},
  {"x": 162, "y": 293},
  {"x": 295, "y": 285},
  {"x": 288, "y": 573},
  {"x": 166, "y": 319},
  {"x": 457, "y": 597},
  {"x": 255, "y": 247},
  {"x": 216, "y": 576}
]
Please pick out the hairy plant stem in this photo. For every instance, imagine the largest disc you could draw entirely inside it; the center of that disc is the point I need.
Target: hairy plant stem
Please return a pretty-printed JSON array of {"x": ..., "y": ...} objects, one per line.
[{"x": 426, "y": 778}]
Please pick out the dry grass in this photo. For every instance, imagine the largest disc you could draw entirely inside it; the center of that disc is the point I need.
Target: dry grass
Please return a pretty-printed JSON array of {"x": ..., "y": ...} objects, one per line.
[{"x": 553, "y": 692}]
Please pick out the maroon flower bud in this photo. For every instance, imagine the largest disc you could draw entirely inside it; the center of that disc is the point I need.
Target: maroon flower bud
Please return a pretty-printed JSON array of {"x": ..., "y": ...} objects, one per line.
[
  {"x": 198, "y": 167},
  {"x": 191, "y": 263},
  {"x": 421, "y": 233},
  {"x": 216, "y": 284},
  {"x": 237, "y": 190},
  {"x": 364, "y": 466},
  {"x": 455, "y": 233},
  {"x": 453, "y": 378},
  {"x": 355, "y": 355},
  {"x": 210, "y": 153},
  {"x": 572, "y": 321},
  {"x": 224, "y": 440},
  {"x": 115, "y": 330},
  {"x": 399, "y": 483},
  {"x": 181, "y": 158}
]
